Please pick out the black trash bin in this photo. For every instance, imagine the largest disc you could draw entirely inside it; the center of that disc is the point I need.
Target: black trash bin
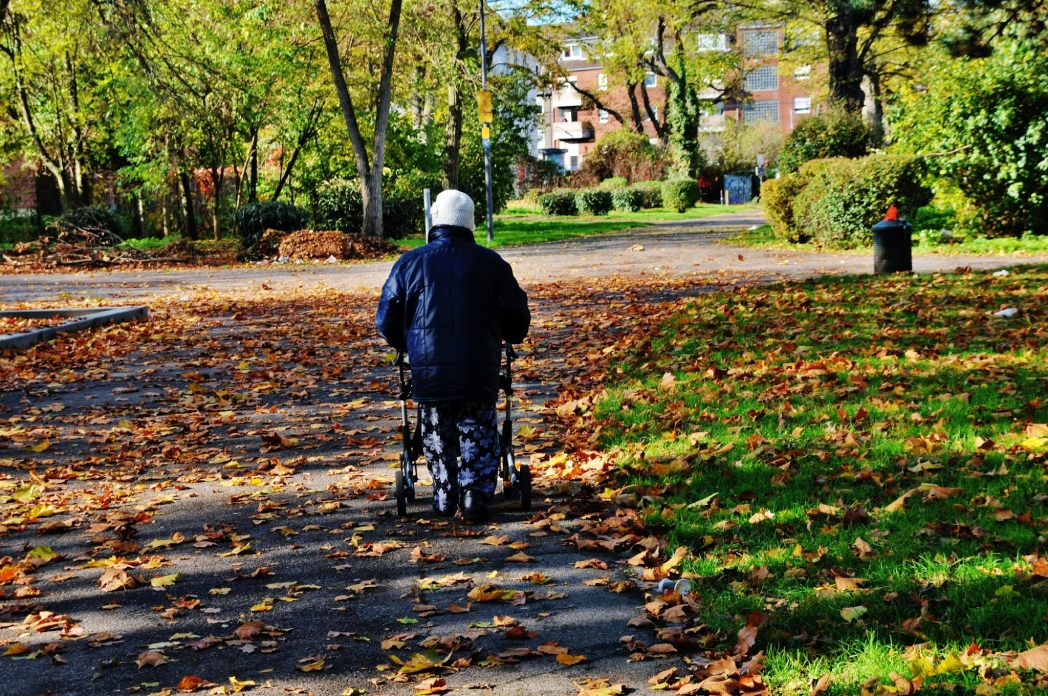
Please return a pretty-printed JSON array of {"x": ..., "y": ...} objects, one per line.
[{"x": 892, "y": 251}]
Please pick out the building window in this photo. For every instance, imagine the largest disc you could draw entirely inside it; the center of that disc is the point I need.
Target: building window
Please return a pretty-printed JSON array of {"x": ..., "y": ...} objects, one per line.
[
  {"x": 802, "y": 73},
  {"x": 704, "y": 43},
  {"x": 760, "y": 43},
  {"x": 602, "y": 82},
  {"x": 602, "y": 116},
  {"x": 763, "y": 78},
  {"x": 761, "y": 111},
  {"x": 570, "y": 51},
  {"x": 574, "y": 162},
  {"x": 651, "y": 80},
  {"x": 802, "y": 105}
]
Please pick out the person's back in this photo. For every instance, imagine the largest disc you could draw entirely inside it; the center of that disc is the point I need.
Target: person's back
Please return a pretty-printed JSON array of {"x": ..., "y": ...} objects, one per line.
[{"x": 450, "y": 304}]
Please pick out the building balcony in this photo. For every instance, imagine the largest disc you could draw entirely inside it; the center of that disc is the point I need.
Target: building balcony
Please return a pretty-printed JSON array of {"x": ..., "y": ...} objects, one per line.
[
  {"x": 711, "y": 123},
  {"x": 574, "y": 131}
]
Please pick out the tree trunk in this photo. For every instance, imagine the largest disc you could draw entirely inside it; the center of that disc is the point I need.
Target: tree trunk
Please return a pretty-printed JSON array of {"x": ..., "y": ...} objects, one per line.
[
  {"x": 845, "y": 69},
  {"x": 217, "y": 180},
  {"x": 871, "y": 87},
  {"x": 252, "y": 195},
  {"x": 453, "y": 141},
  {"x": 187, "y": 203},
  {"x": 638, "y": 122}
]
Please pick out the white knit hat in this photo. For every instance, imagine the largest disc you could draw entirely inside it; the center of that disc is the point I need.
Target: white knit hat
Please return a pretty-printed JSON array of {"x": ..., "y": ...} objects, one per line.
[{"x": 453, "y": 208}]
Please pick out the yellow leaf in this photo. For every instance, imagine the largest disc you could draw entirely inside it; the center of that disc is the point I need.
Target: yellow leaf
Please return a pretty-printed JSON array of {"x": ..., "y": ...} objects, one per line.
[
  {"x": 566, "y": 659},
  {"x": 849, "y": 614},
  {"x": 265, "y": 605},
  {"x": 164, "y": 580},
  {"x": 520, "y": 557},
  {"x": 311, "y": 666},
  {"x": 675, "y": 559},
  {"x": 239, "y": 686},
  {"x": 41, "y": 447},
  {"x": 219, "y": 590},
  {"x": 1034, "y": 444}
]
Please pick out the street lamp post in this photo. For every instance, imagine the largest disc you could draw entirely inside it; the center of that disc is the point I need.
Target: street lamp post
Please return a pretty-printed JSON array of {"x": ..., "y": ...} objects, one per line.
[{"x": 485, "y": 130}]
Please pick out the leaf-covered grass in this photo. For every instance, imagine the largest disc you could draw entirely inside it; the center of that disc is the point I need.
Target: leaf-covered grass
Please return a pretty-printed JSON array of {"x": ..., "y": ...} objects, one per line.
[
  {"x": 776, "y": 431},
  {"x": 930, "y": 242},
  {"x": 522, "y": 224}
]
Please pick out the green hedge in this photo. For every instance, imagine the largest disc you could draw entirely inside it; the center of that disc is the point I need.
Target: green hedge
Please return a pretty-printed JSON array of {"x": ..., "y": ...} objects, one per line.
[
  {"x": 20, "y": 228},
  {"x": 652, "y": 192},
  {"x": 593, "y": 201},
  {"x": 254, "y": 219},
  {"x": 680, "y": 194},
  {"x": 613, "y": 183},
  {"x": 777, "y": 197},
  {"x": 340, "y": 207},
  {"x": 628, "y": 200},
  {"x": 559, "y": 203},
  {"x": 844, "y": 198},
  {"x": 828, "y": 135}
]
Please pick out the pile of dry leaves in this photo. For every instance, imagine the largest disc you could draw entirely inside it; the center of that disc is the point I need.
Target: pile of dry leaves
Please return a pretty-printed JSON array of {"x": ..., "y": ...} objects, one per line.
[{"x": 325, "y": 244}]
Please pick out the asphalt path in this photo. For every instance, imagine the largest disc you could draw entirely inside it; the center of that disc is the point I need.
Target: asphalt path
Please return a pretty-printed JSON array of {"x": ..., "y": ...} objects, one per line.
[
  {"x": 687, "y": 248},
  {"x": 333, "y": 502}
]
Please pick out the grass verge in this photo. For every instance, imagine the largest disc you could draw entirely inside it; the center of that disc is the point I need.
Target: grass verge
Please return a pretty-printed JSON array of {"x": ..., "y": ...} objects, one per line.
[
  {"x": 526, "y": 225},
  {"x": 1027, "y": 245},
  {"x": 860, "y": 460}
]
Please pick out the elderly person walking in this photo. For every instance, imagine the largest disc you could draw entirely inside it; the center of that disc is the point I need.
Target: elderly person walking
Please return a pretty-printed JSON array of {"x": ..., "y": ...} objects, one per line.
[{"x": 450, "y": 304}]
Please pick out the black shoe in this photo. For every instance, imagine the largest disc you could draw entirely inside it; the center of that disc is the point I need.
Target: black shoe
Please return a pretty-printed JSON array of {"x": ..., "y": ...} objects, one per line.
[{"x": 474, "y": 506}]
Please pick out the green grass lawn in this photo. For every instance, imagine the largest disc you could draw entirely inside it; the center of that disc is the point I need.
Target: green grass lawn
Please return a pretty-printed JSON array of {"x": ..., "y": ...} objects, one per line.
[
  {"x": 521, "y": 224},
  {"x": 763, "y": 237},
  {"x": 858, "y": 459}
]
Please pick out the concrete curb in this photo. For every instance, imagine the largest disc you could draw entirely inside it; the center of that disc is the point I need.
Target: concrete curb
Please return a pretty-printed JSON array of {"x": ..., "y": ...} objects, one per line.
[{"x": 91, "y": 318}]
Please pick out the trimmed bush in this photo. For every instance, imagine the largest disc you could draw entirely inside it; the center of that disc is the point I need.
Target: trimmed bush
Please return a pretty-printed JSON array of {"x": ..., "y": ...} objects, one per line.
[
  {"x": 593, "y": 201},
  {"x": 254, "y": 219},
  {"x": 846, "y": 197},
  {"x": 340, "y": 207},
  {"x": 652, "y": 192},
  {"x": 680, "y": 194},
  {"x": 778, "y": 196},
  {"x": 629, "y": 200},
  {"x": 559, "y": 203},
  {"x": 613, "y": 183},
  {"x": 403, "y": 217},
  {"x": 833, "y": 134}
]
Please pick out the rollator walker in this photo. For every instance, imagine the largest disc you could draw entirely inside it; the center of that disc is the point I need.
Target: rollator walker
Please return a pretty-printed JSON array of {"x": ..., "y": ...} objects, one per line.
[{"x": 516, "y": 479}]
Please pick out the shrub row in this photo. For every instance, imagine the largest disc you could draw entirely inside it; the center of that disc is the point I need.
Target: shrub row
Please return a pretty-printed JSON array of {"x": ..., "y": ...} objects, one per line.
[
  {"x": 677, "y": 194},
  {"x": 837, "y": 201}
]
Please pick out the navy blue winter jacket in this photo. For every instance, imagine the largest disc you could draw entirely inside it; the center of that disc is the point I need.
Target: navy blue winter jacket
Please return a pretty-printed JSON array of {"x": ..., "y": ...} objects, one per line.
[{"x": 451, "y": 304}]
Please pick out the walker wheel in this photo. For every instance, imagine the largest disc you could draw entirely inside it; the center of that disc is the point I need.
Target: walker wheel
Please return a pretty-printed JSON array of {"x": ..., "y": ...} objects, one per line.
[
  {"x": 402, "y": 502},
  {"x": 409, "y": 482},
  {"x": 524, "y": 487}
]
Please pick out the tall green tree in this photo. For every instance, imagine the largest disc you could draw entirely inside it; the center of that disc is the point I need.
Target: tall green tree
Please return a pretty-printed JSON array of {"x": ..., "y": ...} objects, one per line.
[
  {"x": 56, "y": 63},
  {"x": 378, "y": 97}
]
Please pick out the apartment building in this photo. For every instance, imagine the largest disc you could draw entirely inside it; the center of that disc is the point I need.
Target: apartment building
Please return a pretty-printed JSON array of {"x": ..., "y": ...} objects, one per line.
[{"x": 772, "y": 92}]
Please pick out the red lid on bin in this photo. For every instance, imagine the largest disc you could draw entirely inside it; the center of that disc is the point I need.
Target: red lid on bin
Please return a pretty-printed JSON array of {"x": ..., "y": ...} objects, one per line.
[{"x": 892, "y": 214}]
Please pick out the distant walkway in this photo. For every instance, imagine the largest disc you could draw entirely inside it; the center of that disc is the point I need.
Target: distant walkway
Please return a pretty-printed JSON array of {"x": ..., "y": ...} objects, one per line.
[{"x": 677, "y": 249}]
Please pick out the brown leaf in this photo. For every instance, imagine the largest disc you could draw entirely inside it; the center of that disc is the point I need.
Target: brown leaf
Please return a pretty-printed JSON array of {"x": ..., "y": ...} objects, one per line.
[
  {"x": 1035, "y": 658},
  {"x": 150, "y": 658}
]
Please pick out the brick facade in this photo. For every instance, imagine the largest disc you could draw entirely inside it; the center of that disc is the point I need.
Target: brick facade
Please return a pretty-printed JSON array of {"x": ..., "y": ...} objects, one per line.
[
  {"x": 773, "y": 92},
  {"x": 18, "y": 187}
]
